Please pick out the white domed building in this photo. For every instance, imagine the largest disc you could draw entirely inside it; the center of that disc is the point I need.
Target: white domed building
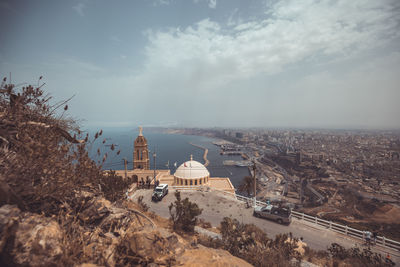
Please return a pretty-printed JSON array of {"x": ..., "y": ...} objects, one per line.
[{"x": 191, "y": 173}]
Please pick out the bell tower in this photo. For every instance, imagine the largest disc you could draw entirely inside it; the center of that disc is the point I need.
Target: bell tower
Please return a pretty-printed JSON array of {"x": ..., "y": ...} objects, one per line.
[{"x": 140, "y": 152}]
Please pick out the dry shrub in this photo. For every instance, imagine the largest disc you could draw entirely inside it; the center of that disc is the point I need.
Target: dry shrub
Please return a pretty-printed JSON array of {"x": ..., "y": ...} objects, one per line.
[
  {"x": 204, "y": 224},
  {"x": 320, "y": 257},
  {"x": 250, "y": 243},
  {"x": 143, "y": 206},
  {"x": 45, "y": 169},
  {"x": 44, "y": 157},
  {"x": 183, "y": 214},
  {"x": 356, "y": 256}
]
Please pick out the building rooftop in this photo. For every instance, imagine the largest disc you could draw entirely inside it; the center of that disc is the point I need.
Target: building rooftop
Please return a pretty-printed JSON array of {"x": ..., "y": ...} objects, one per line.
[{"x": 191, "y": 170}]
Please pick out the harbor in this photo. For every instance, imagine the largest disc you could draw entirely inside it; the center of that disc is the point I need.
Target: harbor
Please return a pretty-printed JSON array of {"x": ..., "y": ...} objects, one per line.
[
  {"x": 206, "y": 161},
  {"x": 173, "y": 148},
  {"x": 237, "y": 163}
]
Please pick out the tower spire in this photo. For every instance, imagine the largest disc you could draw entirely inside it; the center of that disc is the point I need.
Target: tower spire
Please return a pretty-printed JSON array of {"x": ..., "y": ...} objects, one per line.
[{"x": 140, "y": 152}]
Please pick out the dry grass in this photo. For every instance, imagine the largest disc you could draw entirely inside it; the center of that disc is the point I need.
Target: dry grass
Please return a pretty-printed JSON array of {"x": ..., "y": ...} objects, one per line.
[{"x": 45, "y": 169}]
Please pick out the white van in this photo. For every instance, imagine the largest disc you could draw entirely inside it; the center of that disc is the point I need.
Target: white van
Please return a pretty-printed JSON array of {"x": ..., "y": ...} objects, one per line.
[{"x": 159, "y": 192}]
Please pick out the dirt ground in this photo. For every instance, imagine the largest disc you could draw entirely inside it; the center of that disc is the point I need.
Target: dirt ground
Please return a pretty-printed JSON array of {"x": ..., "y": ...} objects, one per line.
[
  {"x": 387, "y": 214},
  {"x": 215, "y": 206},
  {"x": 358, "y": 211}
]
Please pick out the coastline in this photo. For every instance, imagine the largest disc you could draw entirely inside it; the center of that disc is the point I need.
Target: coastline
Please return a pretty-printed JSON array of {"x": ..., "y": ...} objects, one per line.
[
  {"x": 218, "y": 139},
  {"x": 206, "y": 161}
]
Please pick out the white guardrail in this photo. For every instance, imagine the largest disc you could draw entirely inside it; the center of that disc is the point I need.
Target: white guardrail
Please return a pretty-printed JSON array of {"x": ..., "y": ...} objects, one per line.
[
  {"x": 346, "y": 230},
  {"x": 189, "y": 188},
  {"x": 343, "y": 229}
]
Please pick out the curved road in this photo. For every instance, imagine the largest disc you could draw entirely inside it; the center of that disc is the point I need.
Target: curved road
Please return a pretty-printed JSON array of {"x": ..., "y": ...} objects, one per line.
[{"x": 216, "y": 206}]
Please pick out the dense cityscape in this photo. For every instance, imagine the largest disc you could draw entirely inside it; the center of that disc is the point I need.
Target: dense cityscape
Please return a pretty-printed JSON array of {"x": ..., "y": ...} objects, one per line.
[
  {"x": 341, "y": 175},
  {"x": 200, "y": 133}
]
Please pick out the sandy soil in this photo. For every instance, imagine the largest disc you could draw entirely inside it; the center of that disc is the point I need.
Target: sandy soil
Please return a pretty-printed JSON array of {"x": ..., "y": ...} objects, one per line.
[{"x": 387, "y": 214}]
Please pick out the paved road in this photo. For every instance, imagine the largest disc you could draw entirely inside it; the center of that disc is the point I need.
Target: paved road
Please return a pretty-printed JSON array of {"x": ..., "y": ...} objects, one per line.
[{"x": 216, "y": 206}]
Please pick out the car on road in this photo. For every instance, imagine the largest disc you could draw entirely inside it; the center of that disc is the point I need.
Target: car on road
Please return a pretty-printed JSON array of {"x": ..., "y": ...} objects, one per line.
[
  {"x": 159, "y": 192},
  {"x": 274, "y": 213}
]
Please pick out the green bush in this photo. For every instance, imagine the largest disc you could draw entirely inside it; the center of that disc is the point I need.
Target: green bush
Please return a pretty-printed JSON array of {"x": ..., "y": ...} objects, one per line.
[{"x": 184, "y": 214}]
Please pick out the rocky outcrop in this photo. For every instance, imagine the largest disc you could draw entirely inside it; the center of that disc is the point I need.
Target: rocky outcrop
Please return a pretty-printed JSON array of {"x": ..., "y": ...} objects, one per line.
[
  {"x": 101, "y": 234},
  {"x": 151, "y": 246},
  {"x": 162, "y": 247},
  {"x": 29, "y": 239},
  {"x": 204, "y": 256}
]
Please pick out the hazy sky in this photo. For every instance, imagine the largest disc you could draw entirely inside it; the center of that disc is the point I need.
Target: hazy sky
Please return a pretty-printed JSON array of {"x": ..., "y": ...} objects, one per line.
[{"x": 211, "y": 63}]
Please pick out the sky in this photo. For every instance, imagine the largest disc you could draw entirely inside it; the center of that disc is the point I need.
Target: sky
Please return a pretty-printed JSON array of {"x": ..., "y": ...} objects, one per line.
[{"x": 210, "y": 63}]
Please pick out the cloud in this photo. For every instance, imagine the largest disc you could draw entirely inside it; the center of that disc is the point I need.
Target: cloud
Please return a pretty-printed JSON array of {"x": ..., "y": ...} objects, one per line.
[
  {"x": 292, "y": 33},
  {"x": 82, "y": 66},
  {"x": 162, "y": 2},
  {"x": 231, "y": 20},
  {"x": 209, "y": 62},
  {"x": 212, "y": 4},
  {"x": 115, "y": 39},
  {"x": 365, "y": 96},
  {"x": 318, "y": 63},
  {"x": 79, "y": 8}
]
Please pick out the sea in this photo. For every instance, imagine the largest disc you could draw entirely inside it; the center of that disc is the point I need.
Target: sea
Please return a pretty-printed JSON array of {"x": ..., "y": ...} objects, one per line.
[{"x": 171, "y": 151}]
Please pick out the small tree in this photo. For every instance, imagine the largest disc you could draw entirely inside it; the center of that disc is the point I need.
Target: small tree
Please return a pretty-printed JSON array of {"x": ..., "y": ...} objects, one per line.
[
  {"x": 247, "y": 185},
  {"x": 184, "y": 214},
  {"x": 142, "y": 205}
]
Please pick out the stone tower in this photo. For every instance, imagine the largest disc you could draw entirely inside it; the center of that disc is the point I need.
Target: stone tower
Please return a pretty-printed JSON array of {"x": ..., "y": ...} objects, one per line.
[{"x": 140, "y": 152}]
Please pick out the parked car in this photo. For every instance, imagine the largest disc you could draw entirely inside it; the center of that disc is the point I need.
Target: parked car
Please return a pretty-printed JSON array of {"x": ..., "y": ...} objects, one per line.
[
  {"x": 159, "y": 192},
  {"x": 278, "y": 214}
]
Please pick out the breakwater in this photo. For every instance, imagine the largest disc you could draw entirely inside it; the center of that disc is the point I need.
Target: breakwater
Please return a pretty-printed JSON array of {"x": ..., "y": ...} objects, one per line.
[{"x": 206, "y": 161}]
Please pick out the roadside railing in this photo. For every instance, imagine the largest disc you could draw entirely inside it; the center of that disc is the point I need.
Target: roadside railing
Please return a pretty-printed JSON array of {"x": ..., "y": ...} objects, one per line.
[
  {"x": 346, "y": 230},
  {"x": 189, "y": 187},
  {"x": 336, "y": 227}
]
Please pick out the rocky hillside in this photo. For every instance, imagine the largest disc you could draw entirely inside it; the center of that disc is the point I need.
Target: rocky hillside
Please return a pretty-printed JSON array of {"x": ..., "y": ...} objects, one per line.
[
  {"x": 103, "y": 234},
  {"x": 57, "y": 207}
]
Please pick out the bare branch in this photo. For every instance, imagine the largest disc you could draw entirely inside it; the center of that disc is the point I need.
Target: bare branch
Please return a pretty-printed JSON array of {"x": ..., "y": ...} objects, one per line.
[
  {"x": 62, "y": 132},
  {"x": 59, "y": 104}
]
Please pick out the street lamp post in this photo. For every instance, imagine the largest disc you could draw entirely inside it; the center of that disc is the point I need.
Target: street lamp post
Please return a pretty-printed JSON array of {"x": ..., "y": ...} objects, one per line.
[
  {"x": 154, "y": 162},
  {"x": 255, "y": 188}
]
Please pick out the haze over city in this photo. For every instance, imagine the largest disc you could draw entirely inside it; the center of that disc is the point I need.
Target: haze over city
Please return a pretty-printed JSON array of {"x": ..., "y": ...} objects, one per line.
[{"x": 325, "y": 64}]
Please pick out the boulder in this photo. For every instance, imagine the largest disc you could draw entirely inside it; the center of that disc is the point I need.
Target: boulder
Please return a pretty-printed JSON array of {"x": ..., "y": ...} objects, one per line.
[
  {"x": 118, "y": 237},
  {"x": 93, "y": 210},
  {"x": 203, "y": 256},
  {"x": 9, "y": 215},
  {"x": 154, "y": 246},
  {"x": 29, "y": 239}
]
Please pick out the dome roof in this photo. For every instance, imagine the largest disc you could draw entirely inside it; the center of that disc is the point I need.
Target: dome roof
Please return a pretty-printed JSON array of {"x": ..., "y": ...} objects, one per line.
[{"x": 191, "y": 169}]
